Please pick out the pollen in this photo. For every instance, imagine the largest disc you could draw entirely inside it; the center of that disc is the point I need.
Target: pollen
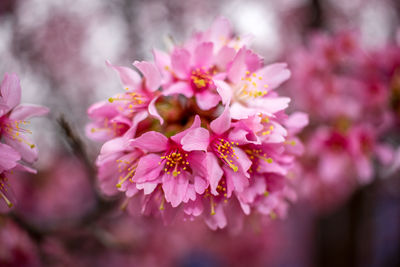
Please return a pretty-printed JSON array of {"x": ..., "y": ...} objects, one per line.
[
  {"x": 175, "y": 162},
  {"x": 226, "y": 152},
  {"x": 14, "y": 129},
  {"x": 200, "y": 79},
  {"x": 249, "y": 88},
  {"x": 132, "y": 99},
  {"x": 255, "y": 155}
]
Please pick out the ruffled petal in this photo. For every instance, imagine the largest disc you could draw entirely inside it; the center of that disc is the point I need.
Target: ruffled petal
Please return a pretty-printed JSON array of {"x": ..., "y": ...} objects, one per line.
[
  {"x": 179, "y": 88},
  {"x": 147, "y": 169},
  {"x": 207, "y": 100},
  {"x": 8, "y": 157},
  {"x": 222, "y": 123},
  {"x": 150, "y": 141},
  {"x": 151, "y": 74},
  {"x": 25, "y": 111},
  {"x": 129, "y": 77},
  {"x": 214, "y": 172},
  {"x": 203, "y": 55},
  {"x": 274, "y": 75},
  {"x": 196, "y": 139},
  {"x": 175, "y": 188},
  {"x": 153, "y": 110},
  {"x": 10, "y": 89},
  {"x": 180, "y": 60}
]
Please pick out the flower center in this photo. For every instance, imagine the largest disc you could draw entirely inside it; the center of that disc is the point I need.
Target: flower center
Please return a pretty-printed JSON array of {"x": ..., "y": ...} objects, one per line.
[
  {"x": 175, "y": 162},
  {"x": 225, "y": 152},
  {"x": 252, "y": 86},
  {"x": 127, "y": 169},
  {"x": 201, "y": 80},
  {"x": 255, "y": 155},
  {"x": 14, "y": 130}
]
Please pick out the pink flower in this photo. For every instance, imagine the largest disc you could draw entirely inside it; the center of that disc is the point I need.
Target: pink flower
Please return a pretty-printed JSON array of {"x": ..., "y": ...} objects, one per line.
[
  {"x": 234, "y": 157},
  {"x": 14, "y": 116},
  {"x": 193, "y": 74},
  {"x": 17, "y": 147},
  {"x": 114, "y": 117},
  {"x": 152, "y": 159}
]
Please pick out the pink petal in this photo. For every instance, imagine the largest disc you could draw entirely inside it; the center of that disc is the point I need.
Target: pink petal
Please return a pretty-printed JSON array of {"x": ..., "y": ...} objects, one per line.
[
  {"x": 10, "y": 89},
  {"x": 163, "y": 63},
  {"x": 194, "y": 208},
  {"x": 296, "y": 122},
  {"x": 129, "y": 77},
  {"x": 214, "y": 172},
  {"x": 203, "y": 55},
  {"x": 224, "y": 91},
  {"x": 274, "y": 75},
  {"x": 147, "y": 169},
  {"x": 150, "y": 141},
  {"x": 114, "y": 145},
  {"x": 92, "y": 133},
  {"x": 238, "y": 111},
  {"x": 238, "y": 67},
  {"x": 24, "y": 112},
  {"x": 220, "y": 30},
  {"x": 179, "y": 88},
  {"x": 253, "y": 61},
  {"x": 190, "y": 194},
  {"x": 147, "y": 187},
  {"x": 243, "y": 136},
  {"x": 197, "y": 161},
  {"x": 151, "y": 74},
  {"x": 272, "y": 167},
  {"x": 222, "y": 123},
  {"x": 207, "y": 100},
  {"x": 196, "y": 139},
  {"x": 200, "y": 185},
  {"x": 180, "y": 60},
  {"x": 225, "y": 56},
  {"x": 8, "y": 157},
  {"x": 24, "y": 146},
  {"x": 24, "y": 168},
  {"x": 140, "y": 116},
  {"x": 243, "y": 160},
  {"x": 196, "y": 124},
  {"x": 153, "y": 110},
  {"x": 218, "y": 220},
  {"x": 103, "y": 109},
  {"x": 175, "y": 188},
  {"x": 271, "y": 105}
]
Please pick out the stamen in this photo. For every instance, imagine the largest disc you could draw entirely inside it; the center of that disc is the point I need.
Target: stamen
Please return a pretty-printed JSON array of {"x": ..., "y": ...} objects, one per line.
[
  {"x": 249, "y": 89},
  {"x": 212, "y": 205},
  {"x": 8, "y": 202},
  {"x": 175, "y": 162},
  {"x": 224, "y": 149}
]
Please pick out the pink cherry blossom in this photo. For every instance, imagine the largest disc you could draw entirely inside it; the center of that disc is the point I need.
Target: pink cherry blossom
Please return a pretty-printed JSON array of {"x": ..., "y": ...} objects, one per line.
[
  {"x": 224, "y": 145},
  {"x": 13, "y": 122},
  {"x": 115, "y": 117}
]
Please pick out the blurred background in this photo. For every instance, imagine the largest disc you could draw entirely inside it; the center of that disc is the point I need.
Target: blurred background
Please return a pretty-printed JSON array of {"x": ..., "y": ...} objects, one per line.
[{"x": 59, "y": 48}]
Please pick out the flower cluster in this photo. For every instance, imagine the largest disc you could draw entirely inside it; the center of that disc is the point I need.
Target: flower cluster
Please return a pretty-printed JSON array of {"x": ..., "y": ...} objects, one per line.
[
  {"x": 16, "y": 148},
  {"x": 201, "y": 132},
  {"x": 347, "y": 91}
]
